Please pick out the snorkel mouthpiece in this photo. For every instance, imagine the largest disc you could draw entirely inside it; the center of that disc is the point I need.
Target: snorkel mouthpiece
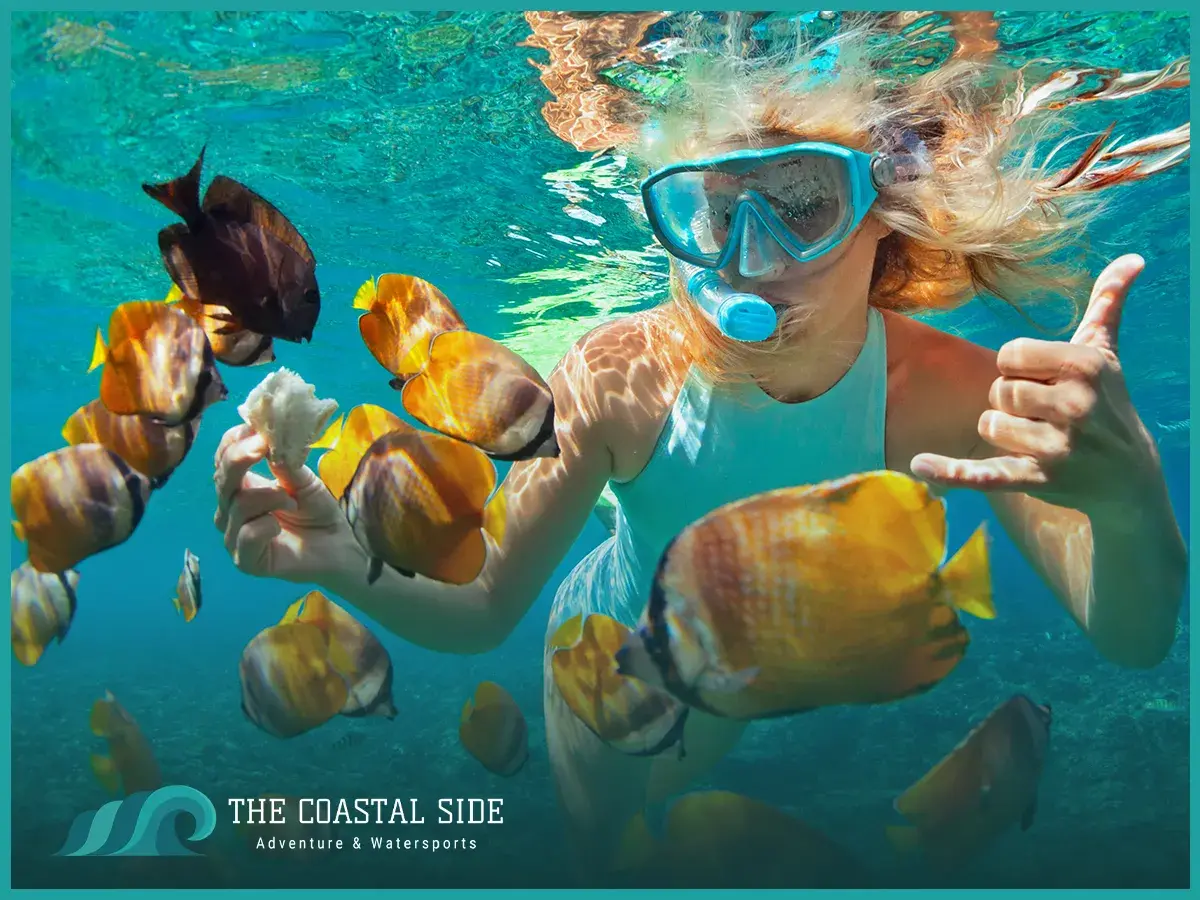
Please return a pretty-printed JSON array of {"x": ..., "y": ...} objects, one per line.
[{"x": 741, "y": 316}]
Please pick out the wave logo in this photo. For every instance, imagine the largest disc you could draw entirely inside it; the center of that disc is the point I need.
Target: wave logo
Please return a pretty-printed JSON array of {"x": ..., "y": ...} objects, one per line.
[{"x": 143, "y": 824}]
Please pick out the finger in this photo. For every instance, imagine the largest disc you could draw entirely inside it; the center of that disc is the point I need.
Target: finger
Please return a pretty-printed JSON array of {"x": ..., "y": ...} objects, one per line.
[
  {"x": 237, "y": 460},
  {"x": 1000, "y": 473},
  {"x": 249, "y": 480},
  {"x": 1061, "y": 403},
  {"x": 251, "y": 503},
  {"x": 1102, "y": 320},
  {"x": 230, "y": 437},
  {"x": 1014, "y": 434},
  {"x": 293, "y": 480},
  {"x": 252, "y": 551},
  {"x": 1048, "y": 360}
]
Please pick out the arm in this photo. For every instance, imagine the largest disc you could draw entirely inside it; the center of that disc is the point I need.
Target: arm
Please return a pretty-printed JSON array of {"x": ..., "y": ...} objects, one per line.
[
  {"x": 548, "y": 502},
  {"x": 1119, "y": 571}
]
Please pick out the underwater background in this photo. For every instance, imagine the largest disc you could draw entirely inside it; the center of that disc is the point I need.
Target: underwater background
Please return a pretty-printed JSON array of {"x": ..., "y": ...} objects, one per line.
[{"x": 415, "y": 143}]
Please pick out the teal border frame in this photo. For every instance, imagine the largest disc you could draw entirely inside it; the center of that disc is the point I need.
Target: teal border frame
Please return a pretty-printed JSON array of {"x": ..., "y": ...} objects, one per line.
[{"x": 614, "y": 5}]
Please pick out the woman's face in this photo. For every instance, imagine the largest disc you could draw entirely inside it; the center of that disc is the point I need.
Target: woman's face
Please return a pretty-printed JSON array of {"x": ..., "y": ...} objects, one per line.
[{"x": 803, "y": 193}]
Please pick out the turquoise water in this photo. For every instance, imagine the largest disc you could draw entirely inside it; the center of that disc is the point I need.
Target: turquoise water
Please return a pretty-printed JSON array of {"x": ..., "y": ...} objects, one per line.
[{"x": 414, "y": 143}]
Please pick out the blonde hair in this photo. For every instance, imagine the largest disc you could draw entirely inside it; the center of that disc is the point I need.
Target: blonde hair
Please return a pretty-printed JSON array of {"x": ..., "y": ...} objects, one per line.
[{"x": 988, "y": 218}]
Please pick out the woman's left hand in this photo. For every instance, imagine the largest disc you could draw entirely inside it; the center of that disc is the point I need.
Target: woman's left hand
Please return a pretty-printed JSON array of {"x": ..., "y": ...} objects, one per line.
[{"x": 1061, "y": 416}]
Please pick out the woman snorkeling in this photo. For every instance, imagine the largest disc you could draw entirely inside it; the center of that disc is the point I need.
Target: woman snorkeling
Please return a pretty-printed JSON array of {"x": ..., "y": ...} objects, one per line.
[{"x": 833, "y": 201}]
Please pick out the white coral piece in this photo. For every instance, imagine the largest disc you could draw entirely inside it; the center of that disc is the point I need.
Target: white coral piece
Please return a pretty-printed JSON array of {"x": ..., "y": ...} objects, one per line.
[{"x": 285, "y": 410}]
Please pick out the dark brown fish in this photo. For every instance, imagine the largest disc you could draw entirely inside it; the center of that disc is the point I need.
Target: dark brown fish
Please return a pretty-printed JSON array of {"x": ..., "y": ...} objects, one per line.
[
  {"x": 235, "y": 250},
  {"x": 985, "y": 785}
]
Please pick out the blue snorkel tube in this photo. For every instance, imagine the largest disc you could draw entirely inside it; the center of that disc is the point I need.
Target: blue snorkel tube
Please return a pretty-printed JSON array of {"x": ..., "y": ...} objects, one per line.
[{"x": 741, "y": 316}]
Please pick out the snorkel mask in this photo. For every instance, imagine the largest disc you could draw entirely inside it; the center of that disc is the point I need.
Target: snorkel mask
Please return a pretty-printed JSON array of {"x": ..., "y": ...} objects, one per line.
[{"x": 756, "y": 209}]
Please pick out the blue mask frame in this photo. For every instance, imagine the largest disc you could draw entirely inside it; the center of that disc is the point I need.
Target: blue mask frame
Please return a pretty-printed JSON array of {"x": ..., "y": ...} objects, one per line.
[{"x": 866, "y": 173}]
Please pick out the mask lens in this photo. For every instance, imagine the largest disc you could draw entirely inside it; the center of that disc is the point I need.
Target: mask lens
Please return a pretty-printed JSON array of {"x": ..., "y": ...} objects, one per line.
[{"x": 809, "y": 193}]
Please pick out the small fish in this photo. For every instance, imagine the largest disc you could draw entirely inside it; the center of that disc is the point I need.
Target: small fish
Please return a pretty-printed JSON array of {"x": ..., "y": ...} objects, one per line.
[
  {"x": 291, "y": 678},
  {"x": 477, "y": 390},
  {"x": 625, "y": 713},
  {"x": 239, "y": 348},
  {"x": 235, "y": 250},
  {"x": 187, "y": 590},
  {"x": 420, "y": 503},
  {"x": 493, "y": 730},
  {"x": 402, "y": 315},
  {"x": 984, "y": 786},
  {"x": 152, "y": 448},
  {"x": 157, "y": 363},
  {"x": 813, "y": 596},
  {"x": 43, "y": 607},
  {"x": 130, "y": 766},
  {"x": 369, "y": 677},
  {"x": 74, "y": 503},
  {"x": 721, "y": 839},
  {"x": 348, "y": 443},
  {"x": 293, "y": 828}
]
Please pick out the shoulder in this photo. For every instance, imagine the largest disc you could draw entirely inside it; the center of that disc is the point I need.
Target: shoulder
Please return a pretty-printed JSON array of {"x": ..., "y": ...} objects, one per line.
[
  {"x": 938, "y": 386},
  {"x": 619, "y": 380}
]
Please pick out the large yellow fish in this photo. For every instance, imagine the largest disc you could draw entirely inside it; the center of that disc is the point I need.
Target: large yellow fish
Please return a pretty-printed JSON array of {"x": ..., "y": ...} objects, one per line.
[
  {"x": 419, "y": 503},
  {"x": 477, "y": 390},
  {"x": 983, "y": 787},
  {"x": 157, "y": 363},
  {"x": 75, "y": 502},
  {"x": 188, "y": 595},
  {"x": 292, "y": 680},
  {"x": 230, "y": 345},
  {"x": 721, "y": 839},
  {"x": 348, "y": 443},
  {"x": 369, "y": 678},
  {"x": 625, "y": 713},
  {"x": 811, "y": 596},
  {"x": 130, "y": 766},
  {"x": 152, "y": 448},
  {"x": 402, "y": 314},
  {"x": 43, "y": 607},
  {"x": 492, "y": 728}
]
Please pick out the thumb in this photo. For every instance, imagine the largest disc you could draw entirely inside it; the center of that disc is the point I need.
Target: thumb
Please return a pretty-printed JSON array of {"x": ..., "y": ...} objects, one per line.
[{"x": 1102, "y": 319}]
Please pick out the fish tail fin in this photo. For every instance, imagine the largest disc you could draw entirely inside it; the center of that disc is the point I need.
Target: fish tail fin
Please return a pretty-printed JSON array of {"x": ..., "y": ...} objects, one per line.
[
  {"x": 903, "y": 838},
  {"x": 18, "y": 530},
  {"x": 105, "y": 771},
  {"x": 966, "y": 577},
  {"x": 365, "y": 297},
  {"x": 99, "y": 352},
  {"x": 328, "y": 440},
  {"x": 181, "y": 195}
]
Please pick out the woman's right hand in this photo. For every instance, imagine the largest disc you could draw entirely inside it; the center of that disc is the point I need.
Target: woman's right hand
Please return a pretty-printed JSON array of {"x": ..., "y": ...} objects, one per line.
[{"x": 287, "y": 527}]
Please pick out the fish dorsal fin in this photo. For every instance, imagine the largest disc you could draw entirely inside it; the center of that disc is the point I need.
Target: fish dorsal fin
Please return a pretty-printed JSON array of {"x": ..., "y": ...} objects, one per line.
[
  {"x": 495, "y": 515},
  {"x": 100, "y": 720},
  {"x": 489, "y": 694},
  {"x": 328, "y": 440},
  {"x": 364, "y": 425},
  {"x": 134, "y": 320},
  {"x": 244, "y": 205},
  {"x": 567, "y": 634},
  {"x": 80, "y": 428},
  {"x": 99, "y": 352},
  {"x": 174, "y": 295},
  {"x": 947, "y": 779},
  {"x": 293, "y": 612}
]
